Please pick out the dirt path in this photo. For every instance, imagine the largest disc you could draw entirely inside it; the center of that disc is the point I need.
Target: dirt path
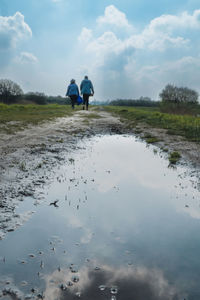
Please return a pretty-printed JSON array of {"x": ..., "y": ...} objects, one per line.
[{"x": 28, "y": 158}]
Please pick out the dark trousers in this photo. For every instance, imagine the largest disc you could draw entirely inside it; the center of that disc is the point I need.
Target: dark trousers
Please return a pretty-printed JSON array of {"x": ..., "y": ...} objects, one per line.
[
  {"x": 86, "y": 100},
  {"x": 73, "y": 99}
]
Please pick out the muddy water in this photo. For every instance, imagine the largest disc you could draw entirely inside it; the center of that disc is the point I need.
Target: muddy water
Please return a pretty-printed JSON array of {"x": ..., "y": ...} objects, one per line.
[{"x": 116, "y": 223}]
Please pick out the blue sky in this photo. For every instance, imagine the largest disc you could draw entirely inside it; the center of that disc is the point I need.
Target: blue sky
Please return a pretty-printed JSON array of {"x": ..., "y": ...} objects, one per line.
[{"x": 129, "y": 48}]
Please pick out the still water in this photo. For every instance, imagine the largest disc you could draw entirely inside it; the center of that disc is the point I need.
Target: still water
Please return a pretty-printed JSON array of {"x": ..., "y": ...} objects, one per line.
[{"x": 124, "y": 226}]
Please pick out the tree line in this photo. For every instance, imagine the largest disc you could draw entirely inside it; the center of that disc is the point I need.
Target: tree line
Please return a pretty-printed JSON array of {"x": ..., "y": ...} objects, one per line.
[
  {"x": 172, "y": 98},
  {"x": 142, "y": 101},
  {"x": 11, "y": 92}
]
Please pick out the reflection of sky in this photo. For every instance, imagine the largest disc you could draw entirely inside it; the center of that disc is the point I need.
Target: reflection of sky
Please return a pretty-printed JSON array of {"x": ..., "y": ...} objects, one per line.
[
  {"x": 139, "y": 284},
  {"x": 119, "y": 205},
  {"x": 130, "y": 161}
]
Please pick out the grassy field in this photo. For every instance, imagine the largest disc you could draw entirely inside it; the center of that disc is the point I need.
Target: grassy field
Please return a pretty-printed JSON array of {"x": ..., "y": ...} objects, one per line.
[
  {"x": 17, "y": 117},
  {"x": 184, "y": 125}
]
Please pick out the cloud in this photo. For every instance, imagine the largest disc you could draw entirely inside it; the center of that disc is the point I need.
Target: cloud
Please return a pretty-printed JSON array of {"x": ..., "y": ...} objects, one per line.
[
  {"x": 140, "y": 283},
  {"x": 158, "y": 35},
  {"x": 171, "y": 22},
  {"x": 13, "y": 29},
  {"x": 85, "y": 35},
  {"x": 26, "y": 57},
  {"x": 138, "y": 62},
  {"x": 114, "y": 16}
]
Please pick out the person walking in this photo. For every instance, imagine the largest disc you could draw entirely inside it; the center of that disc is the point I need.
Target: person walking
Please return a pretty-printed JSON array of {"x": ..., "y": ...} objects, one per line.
[
  {"x": 87, "y": 90},
  {"x": 73, "y": 92}
]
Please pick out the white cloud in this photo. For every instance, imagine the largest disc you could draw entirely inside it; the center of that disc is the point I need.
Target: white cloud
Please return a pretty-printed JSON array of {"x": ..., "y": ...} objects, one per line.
[
  {"x": 113, "y": 16},
  {"x": 13, "y": 29},
  {"x": 107, "y": 42},
  {"x": 26, "y": 57},
  {"x": 162, "y": 32},
  {"x": 159, "y": 35},
  {"x": 86, "y": 35},
  {"x": 129, "y": 63},
  {"x": 171, "y": 22}
]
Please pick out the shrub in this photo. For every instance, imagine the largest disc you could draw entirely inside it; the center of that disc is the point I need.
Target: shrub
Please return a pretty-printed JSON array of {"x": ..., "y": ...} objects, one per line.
[{"x": 38, "y": 98}]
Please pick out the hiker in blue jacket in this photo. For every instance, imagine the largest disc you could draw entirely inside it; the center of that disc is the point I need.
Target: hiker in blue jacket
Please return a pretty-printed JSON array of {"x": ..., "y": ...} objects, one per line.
[
  {"x": 87, "y": 90},
  {"x": 73, "y": 92}
]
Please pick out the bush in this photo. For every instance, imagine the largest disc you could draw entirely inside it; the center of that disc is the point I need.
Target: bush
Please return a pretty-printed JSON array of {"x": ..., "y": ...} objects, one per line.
[
  {"x": 38, "y": 98},
  {"x": 143, "y": 101}
]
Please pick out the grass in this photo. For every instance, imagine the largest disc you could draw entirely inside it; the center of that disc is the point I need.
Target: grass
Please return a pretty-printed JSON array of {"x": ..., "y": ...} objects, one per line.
[
  {"x": 16, "y": 117},
  {"x": 184, "y": 125},
  {"x": 174, "y": 157},
  {"x": 150, "y": 139}
]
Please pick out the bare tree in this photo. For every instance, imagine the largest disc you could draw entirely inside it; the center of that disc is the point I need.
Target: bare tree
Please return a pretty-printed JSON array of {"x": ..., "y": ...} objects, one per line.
[
  {"x": 9, "y": 91},
  {"x": 175, "y": 94}
]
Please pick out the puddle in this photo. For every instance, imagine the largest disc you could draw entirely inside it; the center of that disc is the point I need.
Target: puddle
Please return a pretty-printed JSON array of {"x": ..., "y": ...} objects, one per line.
[{"x": 116, "y": 223}]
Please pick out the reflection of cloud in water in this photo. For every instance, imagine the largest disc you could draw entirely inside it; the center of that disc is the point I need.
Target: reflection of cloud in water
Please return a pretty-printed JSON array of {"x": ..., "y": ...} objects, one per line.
[
  {"x": 139, "y": 283},
  {"x": 76, "y": 223},
  {"x": 136, "y": 162},
  {"x": 192, "y": 212}
]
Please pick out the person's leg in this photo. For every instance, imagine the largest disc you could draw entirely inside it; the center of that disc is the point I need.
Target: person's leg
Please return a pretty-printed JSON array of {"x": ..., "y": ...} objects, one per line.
[
  {"x": 72, "y": 102},
  {"x": 73, "y": 99},
  {"x": 87, "y": 101},
  {"x": 84, "y": 100}
]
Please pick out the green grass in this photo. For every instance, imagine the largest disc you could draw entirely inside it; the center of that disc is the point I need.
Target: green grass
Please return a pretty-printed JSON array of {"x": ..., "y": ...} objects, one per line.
[
  {"x": 184, "y": 125},
  {"x": 16, "y": 117},
  {"x": 150, "y": 139},
  {"x": 174, "y": 157}
]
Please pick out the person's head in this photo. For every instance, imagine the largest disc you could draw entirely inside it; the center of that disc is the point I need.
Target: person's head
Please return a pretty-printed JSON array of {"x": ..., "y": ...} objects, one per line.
[
  {"x": 86, "y": 77},
  {"x": 72, "y": 81}
]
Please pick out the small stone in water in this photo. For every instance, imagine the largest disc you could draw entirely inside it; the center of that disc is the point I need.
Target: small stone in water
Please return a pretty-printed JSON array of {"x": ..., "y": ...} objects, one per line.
[
  {"x": 32, "y": 255},
  {"x": 74, "y": 269},
  {"x": 113, "y": 298},
  {"x": 78, "y": 294},
  {"x": 63, "y": 287},
  {"x": 114, "y": 290},
  {"x": 102, "y": 287},
  {"x": 40, "y": 296},
  {"x": 23, "y": 262},
  {"x": 69, "y": 283},
  {"x": 41, "y": 265},
  {"x": 97, "y": 268},
  {"x": 75, "y": 279}
]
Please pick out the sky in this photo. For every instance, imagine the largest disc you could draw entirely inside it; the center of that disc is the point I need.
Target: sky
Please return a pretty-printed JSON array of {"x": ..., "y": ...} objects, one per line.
[{"x": 128, "y": 48}]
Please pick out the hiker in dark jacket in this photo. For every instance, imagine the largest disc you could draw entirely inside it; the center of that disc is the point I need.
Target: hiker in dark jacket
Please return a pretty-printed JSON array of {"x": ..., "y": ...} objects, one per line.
[
  {"x": 73, "y": 92},
  {"x": 87, "y": 90}
]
